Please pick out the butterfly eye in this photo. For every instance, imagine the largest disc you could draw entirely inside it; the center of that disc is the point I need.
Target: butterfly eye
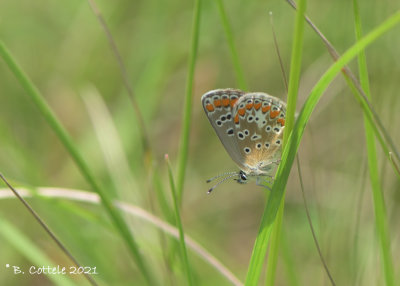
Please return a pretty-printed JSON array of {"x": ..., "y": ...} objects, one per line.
[{"x": 243, "y": 176}]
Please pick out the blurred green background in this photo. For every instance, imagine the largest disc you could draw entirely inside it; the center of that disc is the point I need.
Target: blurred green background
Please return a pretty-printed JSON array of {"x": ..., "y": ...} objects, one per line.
[{"x": 64, "y": 50}]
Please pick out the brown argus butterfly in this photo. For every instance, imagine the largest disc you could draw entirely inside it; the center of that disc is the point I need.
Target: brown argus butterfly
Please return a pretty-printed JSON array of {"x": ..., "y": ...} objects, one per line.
[{"x": 250, "y": 126}]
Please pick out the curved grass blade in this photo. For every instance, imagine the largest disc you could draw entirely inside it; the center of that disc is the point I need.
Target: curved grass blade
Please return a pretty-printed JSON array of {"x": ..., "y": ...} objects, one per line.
[
  {"x": 359, "y": 94},
  {"x": 129, "y": 209},
  {"x": 290, "y": 149},
  {"x": 66, "y": 140},
  {"x": 377, "y": 195}
]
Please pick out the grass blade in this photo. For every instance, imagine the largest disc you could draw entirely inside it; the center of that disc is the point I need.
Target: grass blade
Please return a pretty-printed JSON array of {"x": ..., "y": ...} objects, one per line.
[
  {"x": 179, "y": 225},
  {"x": 129, "y": 209},
  {"x": 187, "y": 109},
  {"x": 321, "y": 257},
  {"x": 111, "y": 145},
  {"x": 231, "y": 43},
  {"x": 66, "y": 140},
  {"x": 287, "y": 255},
  {"x": 377, "y": 195},
  {"x": 294, "y": 78},
  {"x": 125, "y": 78},
  {"x": 359, "y": 94},
  {"x": 47, "y": 229},
  {"x": 293, "y": 143}
]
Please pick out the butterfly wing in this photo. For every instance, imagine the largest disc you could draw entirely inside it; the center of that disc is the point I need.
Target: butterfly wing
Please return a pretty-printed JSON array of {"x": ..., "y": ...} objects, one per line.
[
  {"x": 259, "y": 120},
  {"x": 218, "y": 105}
]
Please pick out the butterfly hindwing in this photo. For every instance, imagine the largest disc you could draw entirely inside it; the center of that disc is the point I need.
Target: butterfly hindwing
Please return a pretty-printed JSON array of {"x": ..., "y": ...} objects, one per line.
[
  {"x": 249, "y": 125},
  {"x": 259, "y": 120}
]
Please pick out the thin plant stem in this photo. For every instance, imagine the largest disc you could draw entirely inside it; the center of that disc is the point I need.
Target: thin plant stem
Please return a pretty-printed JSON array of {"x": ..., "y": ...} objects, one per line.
[
  {"x": 293, "y": 86},
  {"x": 179, "y": 225},
  {"x": 187, "y": 109},
  {"x": 47, "y": 229},
  {"x": 311, "y": 225},
  {"x": 281, "y": 65},
  {"x": 231, "y": 43},
  {"x": 395, "y": 165},
  {"x": 124, "y": 74}
]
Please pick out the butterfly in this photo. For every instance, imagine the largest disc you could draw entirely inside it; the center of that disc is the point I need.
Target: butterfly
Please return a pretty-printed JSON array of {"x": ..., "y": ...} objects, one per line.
[{"x": 250, "y": 126}]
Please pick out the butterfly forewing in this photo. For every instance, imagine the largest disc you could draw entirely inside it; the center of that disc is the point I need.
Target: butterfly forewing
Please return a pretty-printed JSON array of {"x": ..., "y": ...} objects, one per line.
[
  {"x": 259, "y": 120},
  {"x": 218, "y": 105}
]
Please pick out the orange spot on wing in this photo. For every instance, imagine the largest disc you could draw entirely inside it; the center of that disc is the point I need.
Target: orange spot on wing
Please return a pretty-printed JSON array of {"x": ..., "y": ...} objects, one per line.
[
  {"x": 281, "y": 121},
  {"x": 274, "y": 113},
  {"x": 233, "y": 101},
  {"x": 257, "y": 106},
  {"x": 241, "y": 111},
  {"x": 249, "y": 105},
  {"x": 236, "y": 119},
  {"x": 225, "y": 102},
  {"x": 217, "y": 103},
  {"x": 210, "y": 107},
  {"x": 266, "y": 108}
]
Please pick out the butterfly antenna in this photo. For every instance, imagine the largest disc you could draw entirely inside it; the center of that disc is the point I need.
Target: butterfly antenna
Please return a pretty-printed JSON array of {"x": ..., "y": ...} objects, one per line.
[
  {"x": 220, "y": 175},
  {"x": 220, "y": 182}
]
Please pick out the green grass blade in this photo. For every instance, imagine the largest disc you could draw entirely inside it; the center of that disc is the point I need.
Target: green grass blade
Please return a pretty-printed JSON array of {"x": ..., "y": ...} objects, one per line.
[
  {"x": 165, "y": 207},
  {"x": 179, "y": 225},
  {"x": 294, "y": 78},
  {"x": 28, "y": 249},
  {"x": 66, "y": 140},
  {"x": 274, "y": 247},
  {"x": 231, "y": 43},
  {"x": 290, "y": 266},
  {"x": 187, "y": 109},
  {"x": 290, "y": 149},
  {"x": 110, "y": 143},
  {"x": 377, "y": 195},
  {"x": 360, "y": 96}
]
